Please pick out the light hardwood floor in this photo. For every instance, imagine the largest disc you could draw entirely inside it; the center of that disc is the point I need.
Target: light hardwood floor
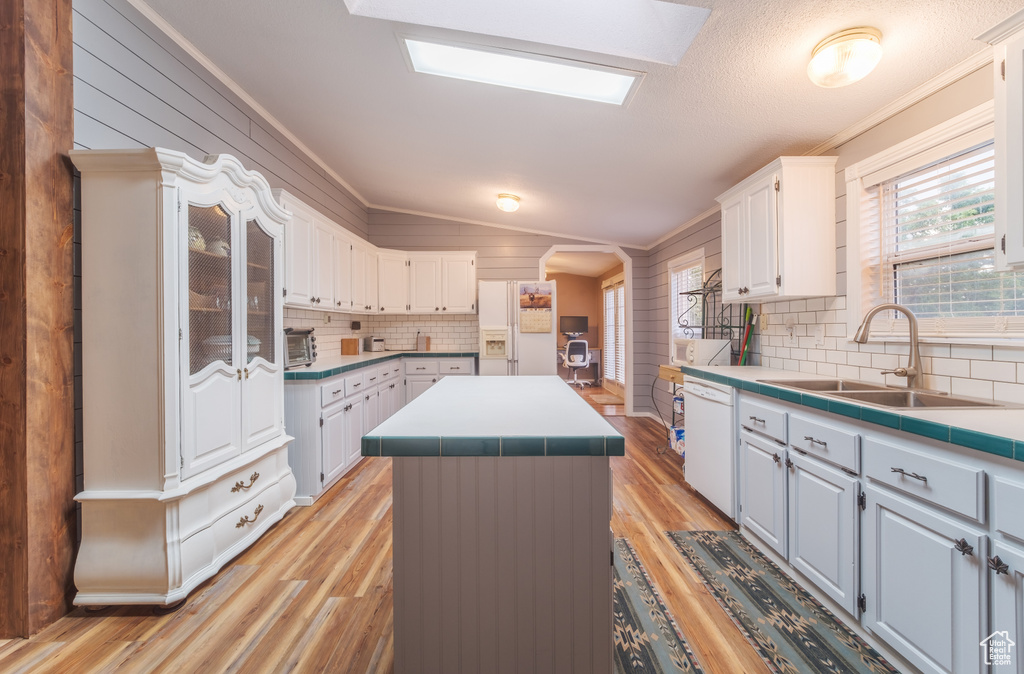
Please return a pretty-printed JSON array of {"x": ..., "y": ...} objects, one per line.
[{"x": 314, "y": 595}]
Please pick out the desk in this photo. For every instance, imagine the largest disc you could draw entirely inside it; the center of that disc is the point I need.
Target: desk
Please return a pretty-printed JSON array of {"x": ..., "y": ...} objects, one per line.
[
  {"x": 502, "y": 505},
  {"x": 595, "y": 362}
]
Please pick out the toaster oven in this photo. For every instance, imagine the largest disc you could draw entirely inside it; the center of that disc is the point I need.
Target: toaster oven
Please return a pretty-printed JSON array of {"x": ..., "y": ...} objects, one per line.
[{"x": 300, "y": 348}]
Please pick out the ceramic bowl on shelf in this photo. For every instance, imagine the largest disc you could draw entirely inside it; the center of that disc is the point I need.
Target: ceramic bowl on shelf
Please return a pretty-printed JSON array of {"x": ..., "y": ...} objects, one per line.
[
  {"x": 219, "y": 247},
  {"x": 195, "y": 239}
]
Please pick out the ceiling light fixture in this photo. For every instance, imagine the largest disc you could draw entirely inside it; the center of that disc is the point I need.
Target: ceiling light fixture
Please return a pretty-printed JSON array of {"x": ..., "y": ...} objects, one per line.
[
  {"x": 508, "y": 203},
  {"x": 845, "y": 57},
  {"x": 520, "y": 70}
]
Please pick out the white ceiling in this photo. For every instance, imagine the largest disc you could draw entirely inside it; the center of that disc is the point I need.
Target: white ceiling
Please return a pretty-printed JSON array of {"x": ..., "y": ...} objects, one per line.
[
  {"x": 412, "y": 142},
  {"x": 581, "y": 263}
]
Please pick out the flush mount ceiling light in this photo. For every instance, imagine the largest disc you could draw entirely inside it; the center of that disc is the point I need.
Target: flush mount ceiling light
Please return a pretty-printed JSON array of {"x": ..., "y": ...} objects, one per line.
[
  {"x": 845, "y": 57},
  {"x": 508, "y": 202},
  {"x": 520, "y": 70}
]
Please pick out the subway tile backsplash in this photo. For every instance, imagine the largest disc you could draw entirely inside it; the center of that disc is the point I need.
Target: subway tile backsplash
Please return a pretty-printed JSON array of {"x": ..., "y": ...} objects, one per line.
[
  {"x": 447, "y": 332},
  {"x": 978, "y": 370}
]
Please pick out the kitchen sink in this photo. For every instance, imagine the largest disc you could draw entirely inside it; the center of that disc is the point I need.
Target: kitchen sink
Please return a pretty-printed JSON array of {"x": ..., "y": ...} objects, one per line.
[
  {"x": 914, "y": 399},
  {"x": 826, "y": 385}
]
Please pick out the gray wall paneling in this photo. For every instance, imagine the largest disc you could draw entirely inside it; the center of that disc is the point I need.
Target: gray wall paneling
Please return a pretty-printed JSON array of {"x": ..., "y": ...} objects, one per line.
[{"x": 134, "y": 87}]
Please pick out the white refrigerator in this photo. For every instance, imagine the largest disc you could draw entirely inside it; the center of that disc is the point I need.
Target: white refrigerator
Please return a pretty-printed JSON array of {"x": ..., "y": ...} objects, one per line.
[{"x": 514, "y": 311}]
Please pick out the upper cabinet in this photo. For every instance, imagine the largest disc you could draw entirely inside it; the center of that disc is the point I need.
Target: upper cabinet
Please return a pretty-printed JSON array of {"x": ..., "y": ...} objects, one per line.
[
  {"x": 392, "y": 282},
  {"x": 778, "y": 232},
  {"x": 331, "y": 269},
  {"x": 1007, "y": 39}
]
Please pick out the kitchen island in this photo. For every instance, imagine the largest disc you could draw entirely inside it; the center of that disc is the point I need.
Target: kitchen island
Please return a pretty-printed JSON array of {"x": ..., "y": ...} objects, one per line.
[{"x": 502, "y": 545}]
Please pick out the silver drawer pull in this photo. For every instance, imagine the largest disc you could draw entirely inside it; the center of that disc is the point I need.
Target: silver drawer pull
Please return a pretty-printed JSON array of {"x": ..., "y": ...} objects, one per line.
[
  {"x": 255, "y": 516},
  {"x": 756, "y": 420},
  {"x": 239, "y": 486},
  {"x": 814, "y": 441},
  {"x": 373, "y": 379},
  {"x": 904, "y": 473},
  {"x": 454, "y": 367},
  {"x": 421, "y": 368},
  {"x": 334, "y": 393},
  {"x": 357, "y": 384}
]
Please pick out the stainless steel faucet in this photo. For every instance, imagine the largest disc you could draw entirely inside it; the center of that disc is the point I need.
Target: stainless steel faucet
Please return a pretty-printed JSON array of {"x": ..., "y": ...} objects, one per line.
[{"x": 913, "y": 369}]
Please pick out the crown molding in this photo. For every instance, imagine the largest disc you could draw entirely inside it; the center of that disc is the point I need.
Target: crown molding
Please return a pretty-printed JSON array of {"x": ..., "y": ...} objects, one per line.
[{"x": 683, "y": 227}]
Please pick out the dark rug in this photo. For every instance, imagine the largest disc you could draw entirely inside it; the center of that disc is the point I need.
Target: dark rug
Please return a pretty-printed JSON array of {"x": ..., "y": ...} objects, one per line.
[
  {"x": 791, "y": 631},
  {"x": 646, "y": 636}
]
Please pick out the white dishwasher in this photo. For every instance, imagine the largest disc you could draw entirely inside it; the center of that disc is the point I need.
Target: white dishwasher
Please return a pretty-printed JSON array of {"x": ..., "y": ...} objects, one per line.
[{"x": 711, "y": 442}]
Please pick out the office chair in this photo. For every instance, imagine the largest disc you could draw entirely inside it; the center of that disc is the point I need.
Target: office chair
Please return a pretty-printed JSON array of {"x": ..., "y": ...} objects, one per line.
[{"x": 576, "y": 356}]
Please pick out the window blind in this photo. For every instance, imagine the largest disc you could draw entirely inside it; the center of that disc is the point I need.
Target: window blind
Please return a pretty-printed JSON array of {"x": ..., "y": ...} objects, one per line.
[
  {"x": 608, "y": 350},
  {"x": 687, "y": 310},
  {"x": 929, "y": 238},
  {"x": 620, "y": 334}
]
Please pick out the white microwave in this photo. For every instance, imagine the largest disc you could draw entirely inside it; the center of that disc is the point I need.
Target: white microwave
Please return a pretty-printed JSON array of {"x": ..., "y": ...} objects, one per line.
[{"x": 701, "y": 351}]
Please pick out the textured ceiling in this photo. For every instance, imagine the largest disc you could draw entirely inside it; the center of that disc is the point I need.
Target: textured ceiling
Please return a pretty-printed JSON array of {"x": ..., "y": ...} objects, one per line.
[{"x": 406, "y": 141}]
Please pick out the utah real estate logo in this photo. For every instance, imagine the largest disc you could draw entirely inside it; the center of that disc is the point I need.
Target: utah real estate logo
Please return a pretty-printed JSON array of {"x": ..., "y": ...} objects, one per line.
[{"x": 998, "y": 648}]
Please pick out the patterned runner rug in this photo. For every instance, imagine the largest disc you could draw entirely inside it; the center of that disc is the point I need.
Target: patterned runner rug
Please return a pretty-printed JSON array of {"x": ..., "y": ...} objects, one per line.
[
  {"x": 789, "y": 629},
  {"x": 646, "y": 636}
]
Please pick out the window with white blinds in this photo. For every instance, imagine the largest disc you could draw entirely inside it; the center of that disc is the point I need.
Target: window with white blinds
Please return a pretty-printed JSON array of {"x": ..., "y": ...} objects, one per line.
[
  {"x": 922, "y": 235},
  {"x": 686, "y": 274},
  {"x": 614, "y": 345},
  {"x": 934, "y": 252}
]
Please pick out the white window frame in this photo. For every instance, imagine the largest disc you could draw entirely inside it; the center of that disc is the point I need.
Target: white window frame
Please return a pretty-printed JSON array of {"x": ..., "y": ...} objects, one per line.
[
  {"x": 686, "y": 261},
  {"x": 960, "y": 133},
  {"x": 617, "y": 378}
]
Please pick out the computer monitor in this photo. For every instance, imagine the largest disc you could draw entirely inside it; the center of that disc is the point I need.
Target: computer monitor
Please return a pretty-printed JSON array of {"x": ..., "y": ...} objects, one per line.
[{"x": 572, "y": 325}]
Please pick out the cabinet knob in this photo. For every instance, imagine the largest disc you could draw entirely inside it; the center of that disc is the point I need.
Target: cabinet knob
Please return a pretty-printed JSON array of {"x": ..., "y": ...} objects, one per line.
[
  {"x": 789, "y": 463},
  {"x": 339, "y": 303},
  {"x": 776, "y": 458},
  {"x": 444, "y": 308},
  {"x": 965, "y": 548},
  {"x": 239, "y": 373},
  {"x": 382, "y": 308},
  {"x": 435, "y": 308},
  {"x": 998, "y": 566}
]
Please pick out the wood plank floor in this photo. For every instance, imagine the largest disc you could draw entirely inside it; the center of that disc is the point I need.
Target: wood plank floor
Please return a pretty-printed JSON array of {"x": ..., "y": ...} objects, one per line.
[{"x": 315, "y": 594}]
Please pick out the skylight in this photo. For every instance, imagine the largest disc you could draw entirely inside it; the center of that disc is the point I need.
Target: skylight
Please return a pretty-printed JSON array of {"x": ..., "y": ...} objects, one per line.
[{"x": 520, "y": 70}]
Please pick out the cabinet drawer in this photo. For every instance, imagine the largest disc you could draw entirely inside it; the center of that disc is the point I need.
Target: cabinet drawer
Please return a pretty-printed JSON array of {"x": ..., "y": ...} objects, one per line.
[
  {"x": 332, "y": 391},
  {"x": 371, "y": 378},
  {"x": 455, "y": 366},
  {"x": 384, "y": 374},
  {"x": 420, "y": 366},
  {"x": 354, "y": 384},
  {"x": 1007, "y": 506},
  {"x": 955, "y": 486},
  {"x": 763, "y": 418},
  {"x": 825, "y": 441}
]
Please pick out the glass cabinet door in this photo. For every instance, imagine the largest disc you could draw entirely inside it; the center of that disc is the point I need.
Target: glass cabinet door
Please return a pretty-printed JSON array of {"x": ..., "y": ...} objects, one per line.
[
  {"x": 210, "y": 328},
  {"x": 259, "y": 297}
]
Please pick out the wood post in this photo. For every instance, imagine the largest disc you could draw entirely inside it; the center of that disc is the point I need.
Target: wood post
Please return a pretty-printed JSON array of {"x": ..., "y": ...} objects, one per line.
[{"x": 37, "y": 482}]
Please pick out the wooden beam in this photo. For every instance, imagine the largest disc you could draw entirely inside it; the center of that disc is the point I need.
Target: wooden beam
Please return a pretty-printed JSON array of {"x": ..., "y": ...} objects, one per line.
[{"x": 37, "y": 512}]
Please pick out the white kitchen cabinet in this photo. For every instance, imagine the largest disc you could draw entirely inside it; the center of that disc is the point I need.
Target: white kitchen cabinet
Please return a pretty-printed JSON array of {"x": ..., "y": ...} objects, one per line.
[
  {"x": 392, "y": 282},
  {"x": 185, "y": 451},
  {"x": 323, "y": 297},
  {"x": 342, "y": 271},
  {"x": 334, "y": 435},
  {"x": 924, "y": 583},
  {"x": 1007, "y": 39},
  {"x": 416, "y": 385},
  {"x": 300, "y": 252},
  {"x": 355, "y": 429},
  {"x": 823, "y": 527},
  {"x": 763, "y": 490},
  {"x": 458, "y": 283},
  {"x": 778, "y": 232},
  {"x": 425, "y": 283},
  {"x": 364, "y": 277}
]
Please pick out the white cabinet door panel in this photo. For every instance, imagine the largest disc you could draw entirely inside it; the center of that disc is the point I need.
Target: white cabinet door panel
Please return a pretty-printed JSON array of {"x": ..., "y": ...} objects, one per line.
[
  {"x": 333, "y": 438},
  {"x": 261, "y": 403},
  {"x": 823, "y": 529},
  {"x": 415, "y": 386},
  {"x": 458, "y": 284},
  {"x": 763, "y": 238},
  {"x": 342, "y": 274},
  {"x": 924, "y": 597},
  {"x": 393, "y": 283},
  {"x": 354, "y": 430},
  {"x": 734, "y": 266},
  {"x": 1008, "y": 603},
  {"x": 213, "y": 396},
  {"x": 425, "y": 284},
  {"x": 763, "y": 495},
  {"x": 323, "y": 293},
  {"x": 299, "y": 237}
]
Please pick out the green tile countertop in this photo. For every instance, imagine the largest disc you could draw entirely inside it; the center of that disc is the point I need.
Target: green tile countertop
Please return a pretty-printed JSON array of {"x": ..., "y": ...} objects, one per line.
[
  {"x": 990, "y": 430},
  {"x": 496, "y": 416},
  {"x": 329, "y": 367}
]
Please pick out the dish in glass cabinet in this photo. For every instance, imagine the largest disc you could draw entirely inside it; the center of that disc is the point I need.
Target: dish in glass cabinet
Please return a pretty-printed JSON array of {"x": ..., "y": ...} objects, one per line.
[
  {"x": 196, "y": 241},
  {"x": 219, "y": 247}
]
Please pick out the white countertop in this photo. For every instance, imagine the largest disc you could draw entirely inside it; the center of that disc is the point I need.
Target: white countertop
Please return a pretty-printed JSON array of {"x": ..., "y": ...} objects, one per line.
[
  {"x": 497, "y": 406},
  {"x": 1004, "y": 422}
]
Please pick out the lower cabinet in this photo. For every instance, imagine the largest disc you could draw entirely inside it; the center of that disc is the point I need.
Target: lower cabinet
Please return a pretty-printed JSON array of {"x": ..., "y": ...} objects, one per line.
[
  {"x": 823, "y": 519},
  {"x": 925, "y": 583},
  {"x": 763, "y": 490},
  {"x": 371, "y": 409},
  {"x": 333, "y": 437},
  {"x": 416, "y": 385},
  {"x": 1006, "y": 573}
]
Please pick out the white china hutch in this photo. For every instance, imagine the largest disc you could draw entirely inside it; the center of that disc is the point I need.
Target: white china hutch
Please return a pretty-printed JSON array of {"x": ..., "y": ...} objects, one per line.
[{"x": 185, "y": 452}]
